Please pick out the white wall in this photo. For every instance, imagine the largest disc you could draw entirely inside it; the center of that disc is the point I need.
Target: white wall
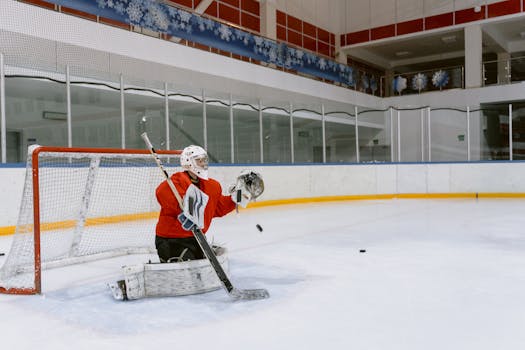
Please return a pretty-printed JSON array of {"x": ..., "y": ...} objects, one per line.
[{"x": 290, "y": 182}]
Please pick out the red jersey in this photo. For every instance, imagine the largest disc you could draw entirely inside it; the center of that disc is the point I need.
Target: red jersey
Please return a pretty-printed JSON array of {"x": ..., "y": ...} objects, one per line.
[{"x": 168, "y": 225}]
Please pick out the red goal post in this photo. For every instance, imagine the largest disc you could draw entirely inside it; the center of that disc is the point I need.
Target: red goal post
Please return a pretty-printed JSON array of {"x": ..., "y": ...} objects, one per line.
[{"x": 79, "y": 205}]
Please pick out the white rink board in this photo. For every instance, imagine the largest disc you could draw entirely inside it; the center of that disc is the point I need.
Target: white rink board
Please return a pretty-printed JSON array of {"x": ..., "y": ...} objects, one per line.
[{"x": 305, "y": 181}]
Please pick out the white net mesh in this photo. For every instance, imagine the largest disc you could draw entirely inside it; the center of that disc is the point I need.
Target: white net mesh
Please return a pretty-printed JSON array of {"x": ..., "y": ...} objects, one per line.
[{"x": 92, "y": 206}]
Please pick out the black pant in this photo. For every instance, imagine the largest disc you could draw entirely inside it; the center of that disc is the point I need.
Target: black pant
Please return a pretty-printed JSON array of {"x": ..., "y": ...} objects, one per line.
[{"x": 178, "y": 249}]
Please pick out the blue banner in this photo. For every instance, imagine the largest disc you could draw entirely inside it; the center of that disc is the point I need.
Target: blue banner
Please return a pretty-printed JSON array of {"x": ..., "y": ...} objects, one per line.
[{"x": 179, "y": 23}]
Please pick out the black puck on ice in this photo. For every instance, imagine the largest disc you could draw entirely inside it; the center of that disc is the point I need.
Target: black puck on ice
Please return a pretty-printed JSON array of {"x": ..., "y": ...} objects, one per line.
[
  {"x": 362, "y": 250},
  {"x": 259, "y": 227},
  {"x": 2, "y": 254}
]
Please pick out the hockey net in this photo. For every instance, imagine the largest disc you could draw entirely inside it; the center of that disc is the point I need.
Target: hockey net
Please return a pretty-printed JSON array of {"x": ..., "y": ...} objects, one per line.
[{"x": 82, "y": 204}]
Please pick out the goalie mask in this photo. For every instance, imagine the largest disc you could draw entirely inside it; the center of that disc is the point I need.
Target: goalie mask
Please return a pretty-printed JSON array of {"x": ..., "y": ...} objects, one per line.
[{"x": 195, "y": 159}]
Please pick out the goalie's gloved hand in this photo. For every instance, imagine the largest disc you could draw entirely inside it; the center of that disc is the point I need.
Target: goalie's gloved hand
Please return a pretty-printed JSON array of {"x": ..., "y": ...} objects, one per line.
[
  {"x": 186, "y": 222},
  {"x": 249, "y": 186}
]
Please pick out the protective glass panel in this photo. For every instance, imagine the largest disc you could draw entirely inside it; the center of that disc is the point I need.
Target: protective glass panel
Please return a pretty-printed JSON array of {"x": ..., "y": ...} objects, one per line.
[
  {"x": 448, "y": 135},
  {"x": 186, "y": 122},
  {"x": 276, "y": 134},
  {"x": 518, "y": 131},
  {"x": 340, "y": 133},
  {"x": 495, "y": 137},
  {"x": 36, "y": 112},
  {"x": 95, "y": 113},
  {"x": 144, "y": 112},
  {"x": 218, "y": 128},
  {"x": 374, "y": 136},
  {"x": 246, "y": 135},
  {"x": 411, "y": 127},
  {"x": 308, "y": 134}
]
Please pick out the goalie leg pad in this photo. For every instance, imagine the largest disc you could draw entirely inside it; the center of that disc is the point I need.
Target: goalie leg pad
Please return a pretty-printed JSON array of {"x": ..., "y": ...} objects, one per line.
[{"x": 171, "y": 279}]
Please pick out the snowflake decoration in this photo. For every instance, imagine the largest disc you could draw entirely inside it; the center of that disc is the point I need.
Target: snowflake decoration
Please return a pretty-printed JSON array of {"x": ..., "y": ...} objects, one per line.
[
  {"x": 322, "y": 64},
  {"x": 365, "y": 82},
  {"x": 419, "y": 82},
  {"x": 135, "y": 11},
  {"x": 373, "y": 84},
  {"x": 440, "y": 79},
  {"x": 157, "y": 18},
  {"x": 399, "y": 84},
  {"x": 224, "y": 32}
]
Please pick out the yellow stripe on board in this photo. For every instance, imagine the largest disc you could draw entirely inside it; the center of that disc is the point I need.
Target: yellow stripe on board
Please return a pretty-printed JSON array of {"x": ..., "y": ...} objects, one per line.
[
  {"x": 9, "y": 230},
  {"x": 67, "y": 224}
]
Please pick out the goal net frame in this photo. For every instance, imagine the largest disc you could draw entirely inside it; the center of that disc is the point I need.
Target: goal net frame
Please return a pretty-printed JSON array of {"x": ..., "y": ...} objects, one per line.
[{"x": 33, "y": 171}]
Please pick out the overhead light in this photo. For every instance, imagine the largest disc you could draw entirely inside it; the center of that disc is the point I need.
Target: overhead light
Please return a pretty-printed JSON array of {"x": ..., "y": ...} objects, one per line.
[
  {"x": 402, "y": 53},
  {"x": 449, "y": 39},
  {"x": 477, "y": 9},
  {"x": 54, "y": 115}
]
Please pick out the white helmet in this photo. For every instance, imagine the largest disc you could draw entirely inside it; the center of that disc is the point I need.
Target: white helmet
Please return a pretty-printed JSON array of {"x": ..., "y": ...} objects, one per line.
[{"x": 195, "y": 159}]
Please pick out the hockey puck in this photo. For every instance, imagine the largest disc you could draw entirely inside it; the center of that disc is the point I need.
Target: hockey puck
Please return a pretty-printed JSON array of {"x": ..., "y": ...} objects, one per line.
[
  {"x": 2, "y": 254},
  {"x": 362, "y": 250},
  {"x": 259, "y": 227}
]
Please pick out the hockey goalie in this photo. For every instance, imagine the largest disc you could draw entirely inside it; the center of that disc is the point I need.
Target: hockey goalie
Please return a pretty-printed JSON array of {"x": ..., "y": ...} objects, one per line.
[{"x": 183, "y": 268}]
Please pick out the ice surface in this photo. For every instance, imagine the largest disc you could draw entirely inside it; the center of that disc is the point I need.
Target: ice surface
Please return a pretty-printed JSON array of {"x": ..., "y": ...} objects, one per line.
[{"x": 437, "y": 274}]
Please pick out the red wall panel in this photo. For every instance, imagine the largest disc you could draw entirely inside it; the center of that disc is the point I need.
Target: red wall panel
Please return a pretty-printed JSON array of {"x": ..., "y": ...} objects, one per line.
[
  {"x": 309, "y": 30},
  {"x": 469, "y": 15},
  {"x": 438, "y": 21},
  {"x": 357, "y": 37},
  {"x": 250, "y": 6},
  {"x": 342, "y": 38},
  {"x": 383, "y": 32},
  {"x": 212, "y": 9},
  {"x": 281, "y": 33},
  {"x": 229, "y": 14},
  {"x": 294, "y": 23},
  {"x": 251, "y": 22},
  {"x": 281, "y": 18},
  {"x": 323, "y": 35},
  {"x": 504, "y": 8},
  {"x": 234, "y": 3},
  {"x": 323, "y": 48},
  {"x": 187, "y": 3},
  {"x": 309, "y": 43},
  {"x": 410, "y": 26},
  {"x": 295, "y": 37}
]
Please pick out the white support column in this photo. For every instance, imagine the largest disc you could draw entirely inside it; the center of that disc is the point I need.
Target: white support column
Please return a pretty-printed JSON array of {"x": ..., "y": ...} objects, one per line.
[
  {"x": 422, "y": 122},
  {"x": 357, "y": 155},
  {"x": 291, "y": 134},
  {"x": 399, "y": 136},
  {"x": 261, "y": 134},
  {"x": 429, "y": 126},
  {"x": 68, "y": 108},
  {"x": 3, "y": 131},
  {"x": 204, "y": 121},
  {"x": 167, "y": 116},
  {"x": 232, "y": 136},
  {"x": 468, "y": 133},
  {"x": 510, "y": 132},
  {"x": 473, "y": 56},
  {"x": 268, "y": 18},
  {"x": 324, "y": 132},
  {"x": 122, "y": 113},
  {"x": 391, "y": 134}
]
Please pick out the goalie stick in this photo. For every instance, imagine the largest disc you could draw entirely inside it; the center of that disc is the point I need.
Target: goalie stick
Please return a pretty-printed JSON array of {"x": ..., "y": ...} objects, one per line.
[{"x": 234, "y": 293}]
